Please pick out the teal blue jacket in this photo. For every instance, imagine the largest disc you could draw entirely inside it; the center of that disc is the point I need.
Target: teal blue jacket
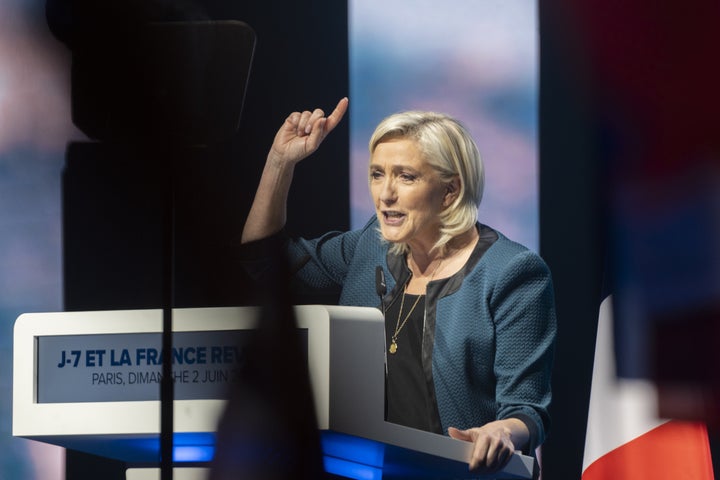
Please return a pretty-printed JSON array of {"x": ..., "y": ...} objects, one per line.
[{"x": 489, "y": 330}]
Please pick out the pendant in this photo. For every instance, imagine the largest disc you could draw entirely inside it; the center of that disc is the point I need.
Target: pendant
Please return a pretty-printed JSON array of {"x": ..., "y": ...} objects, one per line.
[{"x": 393, "y": 347}]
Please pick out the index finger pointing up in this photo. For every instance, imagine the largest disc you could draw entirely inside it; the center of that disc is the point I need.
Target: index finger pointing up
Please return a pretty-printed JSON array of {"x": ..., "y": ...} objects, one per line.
[{"x": 334, "y": 118}]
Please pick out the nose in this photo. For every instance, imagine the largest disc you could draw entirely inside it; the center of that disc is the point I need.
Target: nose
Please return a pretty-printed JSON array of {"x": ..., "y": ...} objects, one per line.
[{"x": 388, "y": 193}]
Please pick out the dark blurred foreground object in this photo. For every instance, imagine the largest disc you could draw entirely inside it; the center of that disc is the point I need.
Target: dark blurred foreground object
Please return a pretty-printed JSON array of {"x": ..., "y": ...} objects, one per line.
[
  {"x": 629, "y": 103},
  {"x": 153, "y": 83},
  {"x": 180, "y": 82},
  {"x": 162, "y": 100},
  {"x": 153, "y": 71},
  {"x": 655, "y": 90},
  {"x": 655, "y": 98},
  {"x": 269, "y": 428}
]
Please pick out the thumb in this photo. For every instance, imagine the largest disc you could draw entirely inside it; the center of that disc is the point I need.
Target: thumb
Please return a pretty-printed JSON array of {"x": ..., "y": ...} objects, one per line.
[{"x": 459, "y": 434}]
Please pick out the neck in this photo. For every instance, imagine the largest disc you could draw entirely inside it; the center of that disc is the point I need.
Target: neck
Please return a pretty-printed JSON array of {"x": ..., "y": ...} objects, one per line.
[
  {"x": 424, "y": 265},
  {"x": 423, "y": 261},
  {"x": 421, "y": 264},
  {"x": 421, "y": 276}
]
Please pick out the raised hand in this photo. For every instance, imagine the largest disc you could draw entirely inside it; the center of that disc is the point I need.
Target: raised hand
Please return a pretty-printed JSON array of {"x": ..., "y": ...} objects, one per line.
[
  {"x": 300, "y": 135},
  {"x": 303, "y": 132}
]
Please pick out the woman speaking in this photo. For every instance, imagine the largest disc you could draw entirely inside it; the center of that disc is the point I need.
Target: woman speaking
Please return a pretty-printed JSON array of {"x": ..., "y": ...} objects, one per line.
[{"x": 469, "y": 314}]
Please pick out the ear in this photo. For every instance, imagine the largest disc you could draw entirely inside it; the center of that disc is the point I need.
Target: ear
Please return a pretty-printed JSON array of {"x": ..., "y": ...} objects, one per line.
[{"x": 452, "y": 190}]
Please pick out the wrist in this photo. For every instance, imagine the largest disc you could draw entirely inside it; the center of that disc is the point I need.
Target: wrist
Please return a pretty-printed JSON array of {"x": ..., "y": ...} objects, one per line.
[{"x": 278, "y": 165}]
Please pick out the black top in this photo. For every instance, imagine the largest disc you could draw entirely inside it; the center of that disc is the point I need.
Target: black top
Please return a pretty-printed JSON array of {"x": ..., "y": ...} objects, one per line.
[{"x": 408, "y": 401}]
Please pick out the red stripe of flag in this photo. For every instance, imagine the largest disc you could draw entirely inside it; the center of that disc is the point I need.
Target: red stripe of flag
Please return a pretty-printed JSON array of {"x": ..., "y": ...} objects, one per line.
[{"x": 673, "y": 451}]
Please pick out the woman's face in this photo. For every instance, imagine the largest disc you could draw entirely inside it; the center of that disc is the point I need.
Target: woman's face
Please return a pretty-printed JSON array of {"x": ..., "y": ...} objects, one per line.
[{"x": 407, "y": 193}]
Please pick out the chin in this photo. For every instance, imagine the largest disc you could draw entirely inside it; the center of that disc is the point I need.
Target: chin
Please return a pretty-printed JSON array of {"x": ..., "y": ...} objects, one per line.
[
  {"x": 393, "y": 241},
  {"x": 390, "y": 236}
]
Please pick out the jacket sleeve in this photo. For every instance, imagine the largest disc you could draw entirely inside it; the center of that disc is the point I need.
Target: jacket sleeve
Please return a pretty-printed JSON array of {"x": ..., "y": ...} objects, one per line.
[
  {"x": 319, "y": 263},
  {"x": 523, "y": 309},
  {"x": 324, "y": 262}
]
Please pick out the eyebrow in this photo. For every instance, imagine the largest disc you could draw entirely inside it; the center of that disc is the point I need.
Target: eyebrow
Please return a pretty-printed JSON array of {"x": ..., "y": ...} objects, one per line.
[{"x": 395, "y": 168}]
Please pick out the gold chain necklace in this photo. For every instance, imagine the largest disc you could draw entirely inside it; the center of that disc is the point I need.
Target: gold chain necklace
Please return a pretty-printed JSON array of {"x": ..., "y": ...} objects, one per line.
[{"x": 398, "y": 326}]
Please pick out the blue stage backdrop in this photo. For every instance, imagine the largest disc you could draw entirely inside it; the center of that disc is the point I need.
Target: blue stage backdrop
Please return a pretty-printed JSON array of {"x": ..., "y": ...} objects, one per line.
[{"x": 474, "y": 60}]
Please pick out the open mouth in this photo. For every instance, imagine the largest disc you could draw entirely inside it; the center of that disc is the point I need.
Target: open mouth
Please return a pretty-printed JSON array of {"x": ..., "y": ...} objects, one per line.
[{"x": 393, "y": 217}]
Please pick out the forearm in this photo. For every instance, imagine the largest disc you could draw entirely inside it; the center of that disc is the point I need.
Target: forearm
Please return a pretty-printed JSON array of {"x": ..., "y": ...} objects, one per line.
[
  {"x": 300, "y": 135},
  {"x": 268, "y": 212}
]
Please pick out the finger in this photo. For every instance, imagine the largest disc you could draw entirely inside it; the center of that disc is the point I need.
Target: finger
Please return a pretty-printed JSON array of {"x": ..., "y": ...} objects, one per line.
[
  {"x": 459, "y": 434},
  {"x": 293, "y": 119},
  {"x": 497, "y": 457},
  {"x": 303, "y": 123},
  {"x": 479, "y": 457},
  {"x": 504, "y": 457},
  {"x": 316, "y": 135},
  {"x": 308, "y": 121},
  {"x": 491, "y": 456},
  {"x": 337, "y": 114},
  {"x": 316, "y": 115}
]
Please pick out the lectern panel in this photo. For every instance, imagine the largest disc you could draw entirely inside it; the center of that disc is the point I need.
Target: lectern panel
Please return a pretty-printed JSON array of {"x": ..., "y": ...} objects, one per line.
[{"x": 76, "y": 384}]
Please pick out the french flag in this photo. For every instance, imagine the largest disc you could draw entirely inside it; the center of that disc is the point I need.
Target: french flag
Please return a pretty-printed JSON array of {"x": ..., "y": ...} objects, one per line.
[{"x": 625, "y": 438}]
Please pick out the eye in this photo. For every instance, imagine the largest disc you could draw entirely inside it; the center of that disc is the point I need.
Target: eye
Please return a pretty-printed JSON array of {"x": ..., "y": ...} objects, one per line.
[
  {"x": 407, "y": 177},
  {"x": 375, "y": 175}
]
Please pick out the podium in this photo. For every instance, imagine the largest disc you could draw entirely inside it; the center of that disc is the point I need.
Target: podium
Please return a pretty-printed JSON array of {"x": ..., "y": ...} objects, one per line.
[{"x": 89, "y": 381}]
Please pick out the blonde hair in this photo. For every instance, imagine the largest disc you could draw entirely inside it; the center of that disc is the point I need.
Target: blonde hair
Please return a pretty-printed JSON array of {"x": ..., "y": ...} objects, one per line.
[{"x": 448, "y": 147}]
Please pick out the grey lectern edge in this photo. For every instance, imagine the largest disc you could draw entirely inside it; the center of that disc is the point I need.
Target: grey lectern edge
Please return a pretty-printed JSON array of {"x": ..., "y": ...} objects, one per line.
[
  {"x": 357, "y": 364},
  {"x": 346, "y": 362}
]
